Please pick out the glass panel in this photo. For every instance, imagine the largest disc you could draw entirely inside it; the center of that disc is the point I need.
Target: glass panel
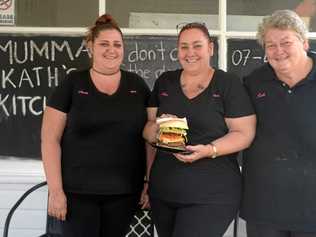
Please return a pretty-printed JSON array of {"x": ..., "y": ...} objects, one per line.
[
  {"x": 56, "y": 13},
  {"x": 244, "y": 15},
  {"x": 164, "y": 14}
]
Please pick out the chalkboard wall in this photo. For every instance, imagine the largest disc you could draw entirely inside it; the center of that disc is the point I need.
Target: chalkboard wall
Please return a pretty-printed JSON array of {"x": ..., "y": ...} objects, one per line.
[
  {"x": 244, "y": 55},
  {"x": 32, "y": 66}
]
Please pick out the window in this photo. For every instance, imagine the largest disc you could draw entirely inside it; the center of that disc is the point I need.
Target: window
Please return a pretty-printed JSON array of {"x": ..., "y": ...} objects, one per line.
[
  {"x": 163, "y": 14},
  {"x": 244, "y": 15},
  {"x": 56, "y": 13}
]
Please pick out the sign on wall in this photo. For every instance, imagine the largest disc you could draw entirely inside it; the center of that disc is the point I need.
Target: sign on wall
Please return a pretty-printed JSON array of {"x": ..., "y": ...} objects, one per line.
[{"x": 7, "y": 12}]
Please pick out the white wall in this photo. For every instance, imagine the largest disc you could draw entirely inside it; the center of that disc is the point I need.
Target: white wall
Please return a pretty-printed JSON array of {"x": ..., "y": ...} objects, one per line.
[{"x": 16, "y": 176}]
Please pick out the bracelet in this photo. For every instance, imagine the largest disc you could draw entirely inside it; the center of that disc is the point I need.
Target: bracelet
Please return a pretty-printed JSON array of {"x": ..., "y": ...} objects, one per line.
[{"x": 214, "y": 154}]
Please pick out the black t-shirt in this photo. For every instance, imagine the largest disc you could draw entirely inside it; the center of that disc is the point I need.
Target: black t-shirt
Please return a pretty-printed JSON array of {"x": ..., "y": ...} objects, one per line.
[
  {"x": 280, "y": 166},
  {"x": 206, "y": 180},
  {"x": 102, "y": 146}
]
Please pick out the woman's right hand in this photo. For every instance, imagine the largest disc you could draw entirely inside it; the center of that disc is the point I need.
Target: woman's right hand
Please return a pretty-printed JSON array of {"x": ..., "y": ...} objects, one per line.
[
  {"x": 57, "y": 205},
  {"x": 150, "y": 131}
]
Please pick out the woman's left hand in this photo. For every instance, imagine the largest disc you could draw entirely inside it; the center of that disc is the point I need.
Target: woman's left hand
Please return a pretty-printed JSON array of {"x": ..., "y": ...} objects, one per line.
[
  {"x": 194, "y": 153},
  {"x": 144, "y": 198}
]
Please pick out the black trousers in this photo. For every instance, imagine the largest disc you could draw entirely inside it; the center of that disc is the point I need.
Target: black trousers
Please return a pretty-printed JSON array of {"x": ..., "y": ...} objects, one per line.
[
  {"x": 261, "y": 230},
  {"x": 99, "y": 215},
  {"x": 191, "y": 220}
]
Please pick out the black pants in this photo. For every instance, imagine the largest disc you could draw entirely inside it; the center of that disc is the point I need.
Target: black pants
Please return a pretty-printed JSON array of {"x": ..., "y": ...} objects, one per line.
[
  {"x": 261, "y": 230},
  {"x": 194, "y": 220},
  {"x": 99, "y": 215}
]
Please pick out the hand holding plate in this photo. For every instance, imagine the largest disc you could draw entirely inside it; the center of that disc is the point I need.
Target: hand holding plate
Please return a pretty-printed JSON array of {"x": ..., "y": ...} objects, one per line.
[{"x": 197, "y": 152}]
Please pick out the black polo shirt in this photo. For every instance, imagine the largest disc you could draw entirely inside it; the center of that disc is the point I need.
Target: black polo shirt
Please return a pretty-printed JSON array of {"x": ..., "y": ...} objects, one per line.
[
  {"x": 280, "y": 167},
  {"x": 206, "y": 180},
  {"x": 103, "y": 150}
]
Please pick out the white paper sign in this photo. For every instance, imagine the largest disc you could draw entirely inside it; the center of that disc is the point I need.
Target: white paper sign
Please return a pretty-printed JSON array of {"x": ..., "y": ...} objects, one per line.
[{"x": 7, "y": 12}]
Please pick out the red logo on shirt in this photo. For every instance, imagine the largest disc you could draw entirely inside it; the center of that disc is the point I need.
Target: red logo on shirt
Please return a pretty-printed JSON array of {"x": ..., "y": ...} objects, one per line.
[
  {"x": 81, "y": 92},
  {"x": 261, "y": 94},
  {"x": 164, "y": 94}
]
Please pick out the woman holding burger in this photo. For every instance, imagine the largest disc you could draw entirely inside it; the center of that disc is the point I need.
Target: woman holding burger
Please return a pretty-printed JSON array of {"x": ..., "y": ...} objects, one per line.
[{"x": 198, "y": 193}]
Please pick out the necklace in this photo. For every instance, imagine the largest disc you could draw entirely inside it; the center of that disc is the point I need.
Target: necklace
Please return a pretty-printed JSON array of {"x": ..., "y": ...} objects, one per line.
[{"x": 103, "y": 73}]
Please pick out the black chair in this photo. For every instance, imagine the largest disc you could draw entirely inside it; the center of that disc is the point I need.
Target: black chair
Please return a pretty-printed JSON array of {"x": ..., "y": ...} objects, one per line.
[{"x": 52, "y": 225}]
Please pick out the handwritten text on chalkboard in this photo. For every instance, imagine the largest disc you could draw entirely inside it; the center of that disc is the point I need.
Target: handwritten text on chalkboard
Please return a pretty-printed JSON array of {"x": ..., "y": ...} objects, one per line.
[
  {"x": 13, "y": 77},
  {"x": 31, "y": 66}
]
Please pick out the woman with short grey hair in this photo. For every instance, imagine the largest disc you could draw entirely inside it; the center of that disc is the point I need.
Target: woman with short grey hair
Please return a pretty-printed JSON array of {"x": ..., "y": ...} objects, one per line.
[
  {"x": 283, "y": 20},
  {"x": 279, "y": 169}
]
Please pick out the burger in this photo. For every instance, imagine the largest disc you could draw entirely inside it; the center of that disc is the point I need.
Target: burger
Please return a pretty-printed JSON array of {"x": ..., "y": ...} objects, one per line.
[{"x": 172, "y": 133}]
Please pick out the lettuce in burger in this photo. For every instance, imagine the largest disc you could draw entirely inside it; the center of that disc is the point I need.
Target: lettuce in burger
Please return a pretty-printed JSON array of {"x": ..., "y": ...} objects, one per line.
[{"x": 172, "y": 133}]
